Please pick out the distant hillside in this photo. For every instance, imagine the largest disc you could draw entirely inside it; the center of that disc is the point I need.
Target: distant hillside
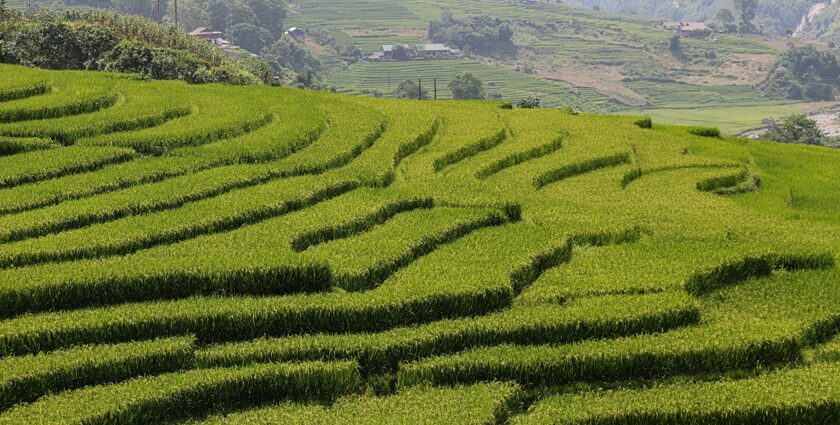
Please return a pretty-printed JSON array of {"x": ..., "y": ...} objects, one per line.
[
  {"x": 823, "y": 24},
  {"x": 773, "y": 16},
  {"x": 590, "y": 60}
]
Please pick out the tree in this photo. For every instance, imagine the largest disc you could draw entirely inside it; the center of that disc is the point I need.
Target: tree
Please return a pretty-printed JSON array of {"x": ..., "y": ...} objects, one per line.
[
  {"x": 675, "y": 45},
  {"x": 133, "y": 7},
  {"x": 401, "y": 52},
  {"x": 804, "y": 73},
  {"x": 726, "y": 19},
  {"x": 305, "y": 80},
  {"x": 796, "y": 128},
  {"x": 409, "y": 89},
  {"x": 530, "y": 102},
  {"x": 467, "y": 86},
  {"x": 222, "y": 15},
  {"x": 747, "y": 12},
  {"x": 289, "y": 54},
  {"x": 351, "y": 54},
  {"x": 250, "y": 37},
  {"x": 270, "y": 15},
  {"x": 192, "y": 14},
  {"x": 480, "y": 33}
]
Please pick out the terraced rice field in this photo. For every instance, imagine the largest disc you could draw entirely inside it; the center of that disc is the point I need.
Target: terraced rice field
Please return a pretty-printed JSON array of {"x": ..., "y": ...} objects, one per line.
[
  {"x": 213, "y": 254},
  {"x": 512, "y": 86}
]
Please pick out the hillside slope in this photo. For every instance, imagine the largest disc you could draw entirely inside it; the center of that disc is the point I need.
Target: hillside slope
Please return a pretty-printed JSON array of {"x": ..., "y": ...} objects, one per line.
[
  {"x": 570, "y": 56},
  {"x": 823, "y": 24},
  {"x": 228, "y": 254},
  {"x": 773, "y": 16}
]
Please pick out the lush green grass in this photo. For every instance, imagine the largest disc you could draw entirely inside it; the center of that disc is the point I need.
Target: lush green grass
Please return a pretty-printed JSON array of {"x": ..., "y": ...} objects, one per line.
[
  {"x": 477, "y": 404},
  {"x": 730, "y": 119},
  {"x": 807, "y": 395},
  {"x": 412, "y": 244}
]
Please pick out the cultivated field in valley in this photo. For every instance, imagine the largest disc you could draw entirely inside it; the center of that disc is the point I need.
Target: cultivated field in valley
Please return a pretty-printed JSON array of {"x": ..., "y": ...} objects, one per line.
[
  {"x": 187, "y": 254},
  {"x": 590, "y": 60}
]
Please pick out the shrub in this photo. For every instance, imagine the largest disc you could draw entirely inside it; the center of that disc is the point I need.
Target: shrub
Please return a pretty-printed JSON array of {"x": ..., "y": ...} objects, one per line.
[
  {"x": 705, "y": 131},
  {"x": 645, "y": 122},
  {"x": 530, "y": 102}
]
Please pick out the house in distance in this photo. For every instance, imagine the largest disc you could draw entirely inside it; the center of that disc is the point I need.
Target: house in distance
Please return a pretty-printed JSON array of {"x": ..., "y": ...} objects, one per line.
[
  {"x": 295, "y": 32},
  {"x": 404, "y": 52},
  {"x": 216, "y": 38},
  {"x": 688, "y": 29},
  {"x": 206, "y": 34},
  {"x": 436, "y": 51}
]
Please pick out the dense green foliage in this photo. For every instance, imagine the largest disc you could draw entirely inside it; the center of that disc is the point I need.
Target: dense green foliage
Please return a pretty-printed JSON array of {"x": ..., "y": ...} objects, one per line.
[
  {"x": 796, "y": 129},
  {"x": 804, "y": 73},
  {"x": 467, "y": 86},
  {"x": 410, "y": 89},
  {"x": 106, "y": 41},
  {"x": 478, "y": 33},
  {"x": 177, "y": 253}
]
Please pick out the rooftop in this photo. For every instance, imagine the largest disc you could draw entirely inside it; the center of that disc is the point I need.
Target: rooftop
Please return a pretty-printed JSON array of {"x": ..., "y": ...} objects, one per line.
[
  {"x": 204, "y": 31},
  {"x": 433, "y": 48}
]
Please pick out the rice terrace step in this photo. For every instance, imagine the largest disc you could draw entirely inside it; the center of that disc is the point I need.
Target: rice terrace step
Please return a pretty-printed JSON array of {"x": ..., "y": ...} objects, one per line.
[{"x": 179, "y": 253}]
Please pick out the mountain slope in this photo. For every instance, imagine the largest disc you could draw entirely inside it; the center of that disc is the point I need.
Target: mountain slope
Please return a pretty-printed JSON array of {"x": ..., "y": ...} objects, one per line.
[
  {"x": 824, "y": 25},
  {"x": 773, "y": 16},
  {"x": 569, "y": 56}
]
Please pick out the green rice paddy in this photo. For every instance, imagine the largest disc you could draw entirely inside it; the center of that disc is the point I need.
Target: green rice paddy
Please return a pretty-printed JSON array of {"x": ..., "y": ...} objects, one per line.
[{"x": 257, "y": 255}]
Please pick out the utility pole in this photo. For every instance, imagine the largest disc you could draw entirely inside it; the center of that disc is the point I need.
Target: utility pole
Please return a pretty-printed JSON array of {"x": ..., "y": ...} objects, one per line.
[
  {"x": 420, "y": 89},
  {"x": 176, "y": 13},
  {"x": 157, "y": 11},
  {"x": 435, "y": 88}
]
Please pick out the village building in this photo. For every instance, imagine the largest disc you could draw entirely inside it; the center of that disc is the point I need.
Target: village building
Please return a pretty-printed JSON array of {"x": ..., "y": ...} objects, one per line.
[
  {"x": 295, "y": 32},
  {"x": 695, "y": 30},
  {"x": 206, "y": 34},
  {"x": 420, "y": 51},
  {"x": 688, "y": 29},
  {"x": 216, "y": 38},
  {"x": 436, "y": 51},
  {"x": 388, "y": 51}
]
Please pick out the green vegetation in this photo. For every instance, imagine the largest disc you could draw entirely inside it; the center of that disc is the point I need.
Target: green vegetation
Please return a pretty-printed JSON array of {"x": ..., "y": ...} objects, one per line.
[
  {"x": 467, "y": 86},
  {"x": 804, "y": 73},
  {"x": 237, "y": 254},
  {"x": 806, "y": 395},
  {"x": 796, "y": 129},
  {"x": 478, "y": 33},
  {"x": 179, "y": 395},
  {"x": 108, "y": 41},
  {"x": 730, "y": 119},
  {"x": 482, "y": 403},
  {"x": 581, "y": 58},
  {"x": 26, "y": 378},
  {"x": 771, "y": 16}
]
